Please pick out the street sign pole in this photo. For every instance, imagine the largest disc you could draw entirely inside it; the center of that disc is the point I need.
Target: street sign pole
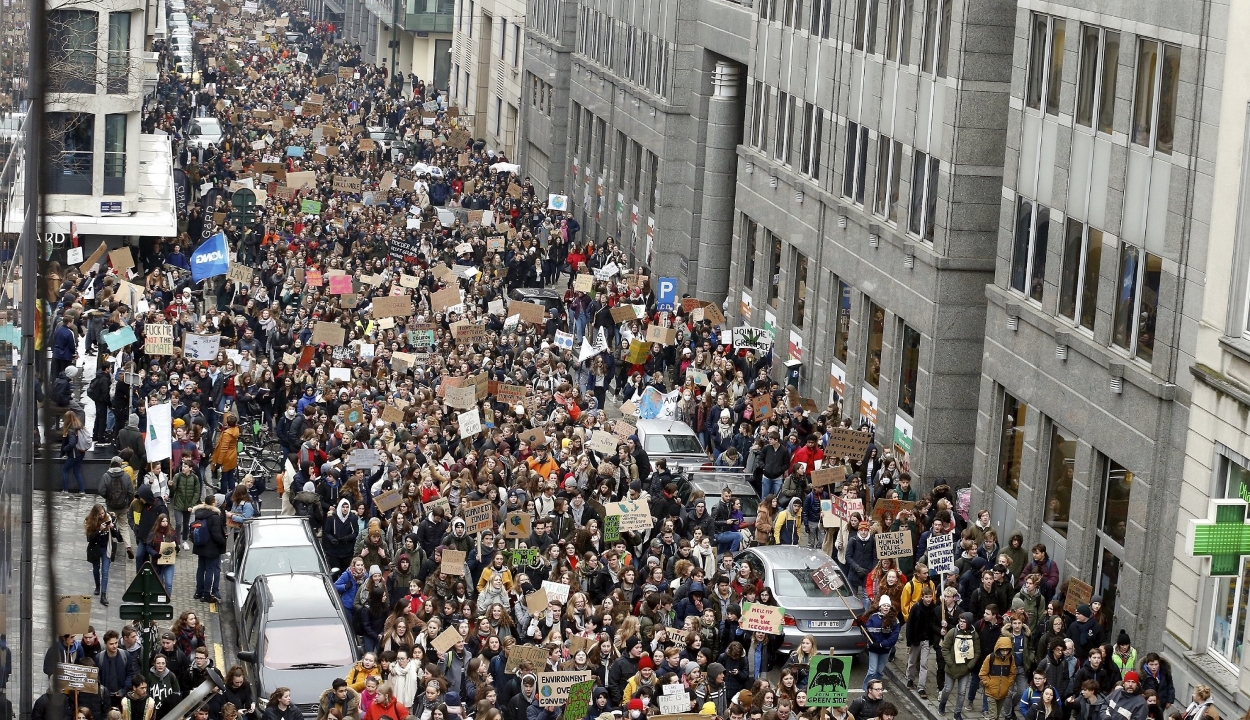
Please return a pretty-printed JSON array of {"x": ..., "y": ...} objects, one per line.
[{"x": 150, "y": 601}]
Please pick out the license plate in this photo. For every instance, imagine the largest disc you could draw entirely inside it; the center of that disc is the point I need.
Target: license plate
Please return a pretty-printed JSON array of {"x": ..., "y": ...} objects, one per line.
[{"x": 815, "y": 624}]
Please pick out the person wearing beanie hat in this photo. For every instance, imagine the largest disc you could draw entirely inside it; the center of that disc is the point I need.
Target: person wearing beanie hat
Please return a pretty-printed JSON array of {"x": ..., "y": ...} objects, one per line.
[
  {"x": 959, "y": 652},
  {"x": 635, "y": 708},
  {"x": 644, "y": 678},
  {"x": 713, "y": 693},
  {"x": 1085, "y": 632},
  {"x": 623, "y": 669},
  {"x": 1124, "y": 655},
  {"x": 861, "y": 558},
  {"x": 882, "y": 628},
  {"x": 1127, "y": 700}
]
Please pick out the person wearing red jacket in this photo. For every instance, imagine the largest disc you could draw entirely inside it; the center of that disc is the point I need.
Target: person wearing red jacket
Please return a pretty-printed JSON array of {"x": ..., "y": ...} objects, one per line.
[
  {"x": 385, "y": 705},
  {"x": 808, "y": 455}
]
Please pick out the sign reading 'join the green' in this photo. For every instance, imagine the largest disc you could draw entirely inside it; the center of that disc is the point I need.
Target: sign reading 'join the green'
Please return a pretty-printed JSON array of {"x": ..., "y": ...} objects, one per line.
[
  {"x": 828, "y": 681},
  {"x": 1225, "y": 538}
]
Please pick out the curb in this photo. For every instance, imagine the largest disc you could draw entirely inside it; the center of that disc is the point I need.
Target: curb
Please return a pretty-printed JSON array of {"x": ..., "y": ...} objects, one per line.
[{"x": 899, "y": 683}]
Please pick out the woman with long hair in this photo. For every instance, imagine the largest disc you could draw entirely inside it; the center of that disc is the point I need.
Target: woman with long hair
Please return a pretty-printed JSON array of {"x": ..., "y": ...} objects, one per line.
[
  {"x": 101, "y": 532},
  {"x": 70, "y": 427},
  {"x": 163, "y": 533},
  {"x": 189, "y": 633}
]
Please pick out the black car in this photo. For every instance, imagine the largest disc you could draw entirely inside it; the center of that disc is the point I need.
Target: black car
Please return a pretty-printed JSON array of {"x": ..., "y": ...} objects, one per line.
[
  {"x": 548, "y": 298},
  {"x": 294, "y": 633}
]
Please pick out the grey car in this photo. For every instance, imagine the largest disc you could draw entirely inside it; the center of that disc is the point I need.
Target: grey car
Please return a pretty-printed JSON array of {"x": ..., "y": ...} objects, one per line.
[
  {"x": 272, "y": 545},
  {"x": 828, "y": 616},
  {"x": 293, "y": 633},
  {"x": 711, "y": 482}
]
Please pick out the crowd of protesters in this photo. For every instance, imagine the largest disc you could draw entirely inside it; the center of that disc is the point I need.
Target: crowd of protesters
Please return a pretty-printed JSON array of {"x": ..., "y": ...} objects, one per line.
[{"x": 430, "y": 211}]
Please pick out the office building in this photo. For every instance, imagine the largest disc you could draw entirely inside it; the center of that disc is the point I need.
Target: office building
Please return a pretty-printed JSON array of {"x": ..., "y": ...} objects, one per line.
[
  {"x": 486, "y": 69},
  {"x": 411, "y": 36}
]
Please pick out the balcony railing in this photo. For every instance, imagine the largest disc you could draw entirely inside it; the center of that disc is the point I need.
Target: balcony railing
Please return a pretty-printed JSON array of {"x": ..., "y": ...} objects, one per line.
[
  {"x": 430, "y": 16},
  {"x": 70, "y": 173}
]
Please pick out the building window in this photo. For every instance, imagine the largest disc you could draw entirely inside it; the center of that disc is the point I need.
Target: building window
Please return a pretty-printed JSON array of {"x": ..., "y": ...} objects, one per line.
[
  {"x": 842, "y": 330},
  {"x": 759, "y": 130},
  {"x": 498, "y": 116},
  {"x": 866, "y": 25},
  {"x": 935, "y": 43},
  {"x": 910, "y": 371},
  {"x": 856, "y": 162},
  {"x": 798, "y": 291},
  {"x": 72, "y": 50},
  {"x": 71, "y": 162},
  {"x": 898, "y": 32},
  {"x": 1011, "y": 444},
  {"x": 1095, "y": 84},
  {"x": 1078, "y": 284},
  {"x": 470, "y": 18},
  {"x": 785, "y": 126},
  {"x": 774, "y": 268},
  {"x": 813, "y": 132},
  {"x": 516, "y": 45},
  {"x": 889, "y": 163},
  {"x": 1154, "y": 100},
  {"x": 1028, "y": 261},
  {"x": 118, "y": 78},
  {"x": 1115, "y": 493},
  {"x": 876, "y": 336},
  {"x": 1045, "y": 75},
  {"x": 635, "y": 153},
  {"x": 1059, "y": 477},
  {"x": 1228, "y": 617},
  {"x": 749, "y": 233},
  {"x": 1137, "y": 301},
  {"x": 115, "y": 154},
  {"x": 924, "y": 182},
  {"x": 654, "y": 179},
  {"x": 768, "y": 9},
  {"x": 819, "y": 21}
]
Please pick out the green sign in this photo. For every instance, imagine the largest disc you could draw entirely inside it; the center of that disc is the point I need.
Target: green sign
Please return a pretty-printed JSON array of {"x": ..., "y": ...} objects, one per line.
[
  {"x": 312, "y": 207},
  {"x": 1225, "y": 539},
  {"x": 579, "y": 699},
  {"x": 828, "y": 680},
  {"x": 521, "y": 557},
  {"x": 612, "y": 528}
]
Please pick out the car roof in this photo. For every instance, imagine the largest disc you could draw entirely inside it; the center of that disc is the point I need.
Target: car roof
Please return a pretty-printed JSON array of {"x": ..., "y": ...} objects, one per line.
[
  {"x": 711, "y": 483},
  {"x": 296, "y": 596},
  {"x": 277, "y": 532},
  {"x": 791, "y": 556},
  {"x": 537, "y": 293},
  {"x": 664, "y": 427}
]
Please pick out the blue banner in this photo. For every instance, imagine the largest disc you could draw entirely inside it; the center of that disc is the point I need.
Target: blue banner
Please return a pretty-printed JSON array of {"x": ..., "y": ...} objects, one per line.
[{"x": 211, "y": 259}]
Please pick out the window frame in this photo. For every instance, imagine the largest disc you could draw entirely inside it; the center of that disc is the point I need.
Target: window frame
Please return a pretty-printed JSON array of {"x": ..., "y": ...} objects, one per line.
[
  {"x": 759, "y": 121},
  {"x": 885, "y": 194},
  {"x": 750, "y": 234},
  {"x": 935, "y": 38},
  {"x": 874, "y": 341},
  {"x": 774, "y": 268},
  {"x": 922, "y": 224},
  {"x": 812, "y": 136},
  {"x": 1080, "y": 276},
  {"x": 1006, "y": 465},
  {"x": 784, "y": 127},
  {"x": 1101, "y": 99},
  {"x": 799, "y": 289},
  {"x": 1058, "y": 436},
  {"x": 855, "y": 170},
  {"x": 1043, "y": 78},
  {"x": 842, "y": 326},
  {"x": 1133, "y": 346},
  {"x": 1033, "y": 250},
  {"x": 909, "y": 356},
  {"x": 898, "y": 31},
  {"x": 866, "y": 26},
  {"x": 1157, "y": 80}
]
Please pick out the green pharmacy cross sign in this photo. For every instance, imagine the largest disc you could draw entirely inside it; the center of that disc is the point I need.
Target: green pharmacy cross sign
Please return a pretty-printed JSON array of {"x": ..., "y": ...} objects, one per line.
[{"x": 1225, "y": 539}]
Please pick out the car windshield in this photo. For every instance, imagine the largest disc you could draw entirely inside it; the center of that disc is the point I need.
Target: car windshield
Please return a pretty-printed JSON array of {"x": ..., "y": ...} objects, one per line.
[
  {"x": 750, "y": 504},
  {"x": 798, "y": 582},
  {"x": 306, "y": 642},
  {"x": 279, "y": 560},
  {"x": 670, "y": 444}
]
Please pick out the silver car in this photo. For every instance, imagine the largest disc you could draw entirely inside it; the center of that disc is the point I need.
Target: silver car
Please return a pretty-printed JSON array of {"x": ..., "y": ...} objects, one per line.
[
  {"x": 827, "y": 615},
  {"x": 274, "y": 546}
]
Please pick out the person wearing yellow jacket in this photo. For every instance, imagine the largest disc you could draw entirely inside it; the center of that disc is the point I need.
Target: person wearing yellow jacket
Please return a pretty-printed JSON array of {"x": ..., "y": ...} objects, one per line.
[
  {"x": 998, "y": 672},
  {"x": 789, "y": 521},
  {"x": 645, "y": 677},
  {"x": 915, "y": 587}
]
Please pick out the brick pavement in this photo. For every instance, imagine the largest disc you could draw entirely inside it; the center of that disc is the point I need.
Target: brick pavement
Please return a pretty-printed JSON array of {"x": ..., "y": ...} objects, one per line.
[{"x": 74, "y": 577}]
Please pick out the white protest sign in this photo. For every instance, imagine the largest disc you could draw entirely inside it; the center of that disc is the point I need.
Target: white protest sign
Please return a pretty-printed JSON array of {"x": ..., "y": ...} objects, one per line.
[
  {"x": 201, "y": 347},
  {"x": 941, "y": 552}
]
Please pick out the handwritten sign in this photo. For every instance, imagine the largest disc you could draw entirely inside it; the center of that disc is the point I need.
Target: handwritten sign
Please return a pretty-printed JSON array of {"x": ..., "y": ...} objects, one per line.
[
  {"x": 388, "y": 500},
  {"x": 200, "y": 347},
  {"x": 453, "y": 562},
  {"x": 844, "y": 441},
  {"x": 762, "y": 618},
  {"x": 635, "y": 514},
  {"x": 553, "y": 688},
  {"x": 536, "y": 655},
  {"x": 517, "y": 525},
  {"x": 478, "y": 516},
  {"x": 829, "y": 476},
  {"x": 941, "y": 552},
  {"x": 894, "y": 544},
  {"x": 448, "y": 638},
  {"x": 158, "y": 339},
  {"x": 579, "y": 699},
  {"x": 1079, "y": 593},
  {"x": 612, "y": 528},
  {"x": 78, "y": 678},
  {"x": 558, "y": 592}
]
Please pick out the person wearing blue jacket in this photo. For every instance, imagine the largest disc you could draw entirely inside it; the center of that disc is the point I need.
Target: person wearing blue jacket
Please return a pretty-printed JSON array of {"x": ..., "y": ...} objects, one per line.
[
  {"x": 882, "y": 628},
  {"x": 348, "y": 583},
  {"x": 811, "y": 516}
]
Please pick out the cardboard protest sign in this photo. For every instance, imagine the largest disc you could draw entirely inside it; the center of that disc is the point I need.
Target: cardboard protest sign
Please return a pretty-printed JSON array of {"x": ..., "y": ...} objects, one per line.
[
  {"x": 453, "y": 562},
  {"x": 445, "y": 298},
  {"x": 534, "y": 437},
  {"x": 328, "y": 333},
  {"x": 478, "y": 516},
  {"x": 761, "y": 407},
  {"x": 470, "y": 423},
  {"x": 511, "y": 394},
  {"x": 584, "y": 282},
  {"x": 762, "y": 618},
  {"x": 894, "y": 544},
  {"x": 553, "y": 687},
  {"x": 536, "y": 655},
  {"x": 392, "y": 306},
  {"x": 158, "y": 339},
  {"x": 829, "y": 476},
  {"x": 829, "y": 681},
  {"x": 301, "y": 179},
  {"x": 517, "y": 526},
  {"x": 537, "y": 601},
  {"x": 121, "y": 260},
  {"x": 1079, "y": 593},
  {"x": 638, "y": 351},
  {"x": 635, "y": 514},
  {"x": 887, "y": 509},
  {"x": 530, "y": 312},
  {"x": 73, "y": 614},
  {"x": 623, "y": 313},
  {"x": 343, "y": 183},
  {"x": 388, "y": 500},
  {"x": 661, "y": 335},
  {"x": 239, "y": 273},
  {"x": 827, "y": 577},
  {"x": 461, "y": 398},
  {"x": 201, "y": 348},
  {"x": 602, "y": 442},
  {"x": 941, "y": 553},
  {"x": 579, "y": 695},
  {"x": 78, "y": 678},
  {"x": 448, "y": 638},
  {"x": 844, "y": 441}
]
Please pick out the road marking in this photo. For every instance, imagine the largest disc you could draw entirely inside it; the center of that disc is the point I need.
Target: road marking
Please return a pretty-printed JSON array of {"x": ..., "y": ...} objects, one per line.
[{"x": 221, "y": 657}]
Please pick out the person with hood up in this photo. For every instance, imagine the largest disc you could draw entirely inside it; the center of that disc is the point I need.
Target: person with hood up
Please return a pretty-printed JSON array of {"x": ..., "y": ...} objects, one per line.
[
  {"x": 600, "y": 705},
  {"x": 338, "y": 535},
  {"x": 959, "y": 652},
  {"x": 208, "y": 552},
  {"x": 789, "y": 523},
  {"x": 692, "y": 604},
  {"x": 882, "y": 628},
  {"x": 644, "y": 678},
  {"x": 342, "y": 699},
  {"x": 458, "y": 539},
  {"x": 132, "y": 437},
  {"x": 385, "y": 705},
  {"x": 402, "y": 573},
  {"x": 998, "y": 673},
  {"x": 144, "y": 510},
  {"x": 1127, "y": 701},
  {"x": 518, "y": 706},
  {"x": 307, "y": 504},
  {"x": 163, "y": 686}
]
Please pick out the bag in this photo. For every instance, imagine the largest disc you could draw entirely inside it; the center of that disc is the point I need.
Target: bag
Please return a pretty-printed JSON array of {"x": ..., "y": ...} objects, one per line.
[
  {"x": 83, "y": 441},
  {"x": 200, "y": 534},
  {"x": 117, "y": 492}
]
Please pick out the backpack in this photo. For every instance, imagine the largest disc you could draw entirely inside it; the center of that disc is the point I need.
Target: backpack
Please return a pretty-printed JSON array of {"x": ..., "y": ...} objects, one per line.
[
  {"x": 200, "y": 534},
  {"x": 117, "y": 492},
  {"x": 83, "y": 442}
]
